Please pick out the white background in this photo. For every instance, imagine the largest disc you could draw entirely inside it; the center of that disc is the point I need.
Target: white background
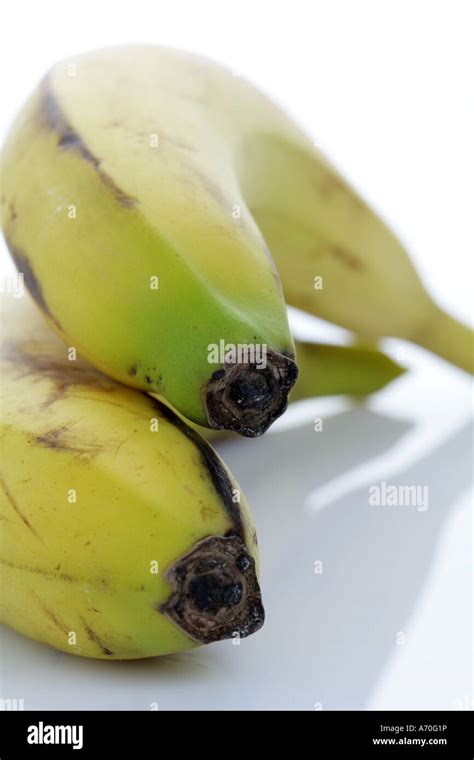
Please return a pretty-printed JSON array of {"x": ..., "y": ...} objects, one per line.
[{"x": 385, "y": 88}]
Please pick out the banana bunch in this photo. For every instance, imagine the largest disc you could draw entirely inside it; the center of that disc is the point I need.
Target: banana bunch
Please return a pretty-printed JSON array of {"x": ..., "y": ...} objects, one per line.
[
  {"x": 123, "y": 533},
  {"x": 142, "y": 189}
]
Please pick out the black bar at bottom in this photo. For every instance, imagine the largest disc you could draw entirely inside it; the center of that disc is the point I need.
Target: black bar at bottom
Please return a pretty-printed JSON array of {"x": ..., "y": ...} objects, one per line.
[{"x": 324, "y": 734}]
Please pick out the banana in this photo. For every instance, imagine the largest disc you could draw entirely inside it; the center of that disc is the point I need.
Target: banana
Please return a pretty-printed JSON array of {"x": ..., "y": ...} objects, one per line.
[
  {"x": 141, "y": 188},
  {"x": 336, "y": 258},
  {"x": 122, "y": 209},
  {"x": 123, "y": 535}
]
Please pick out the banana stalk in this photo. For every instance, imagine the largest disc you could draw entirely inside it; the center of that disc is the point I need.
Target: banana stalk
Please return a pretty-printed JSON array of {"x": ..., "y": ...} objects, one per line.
[{"x": 331, "y": 370}]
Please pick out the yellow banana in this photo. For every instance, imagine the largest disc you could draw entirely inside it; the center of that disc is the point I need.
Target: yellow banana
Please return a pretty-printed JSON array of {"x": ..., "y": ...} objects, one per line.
[
  {"x": 141, "y": 187},
  {"x": 336, "y": 258},
  {"x": 122, "y": 208},
  {"x": 123, "y": 535}
]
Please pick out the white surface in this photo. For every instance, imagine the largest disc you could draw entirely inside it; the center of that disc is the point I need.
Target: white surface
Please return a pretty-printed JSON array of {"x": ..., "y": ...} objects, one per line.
[{"x": 384, "y": 89}]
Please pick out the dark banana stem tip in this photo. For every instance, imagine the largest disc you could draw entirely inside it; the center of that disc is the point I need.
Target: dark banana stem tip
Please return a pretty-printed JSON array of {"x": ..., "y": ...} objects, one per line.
[{"x": 246, "y": 399}]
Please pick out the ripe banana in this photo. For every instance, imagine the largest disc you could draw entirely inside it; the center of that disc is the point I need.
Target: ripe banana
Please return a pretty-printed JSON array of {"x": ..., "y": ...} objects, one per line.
[
  {"x": 122, "y": 534},
  {"x": 336, "y": 258},
  {"x": 122, "y": 208}
]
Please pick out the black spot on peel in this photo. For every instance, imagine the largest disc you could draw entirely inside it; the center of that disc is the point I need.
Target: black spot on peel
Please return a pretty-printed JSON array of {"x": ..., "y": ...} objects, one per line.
[
  {"x": 23, "y": 265},
  {"x": 243, "y": 563},
  {"x": 69, "y": 139},
  {"x": 133, "y": 370},
  {"x": 212, "y": 463},
  {"x": 148, "y": 380}
]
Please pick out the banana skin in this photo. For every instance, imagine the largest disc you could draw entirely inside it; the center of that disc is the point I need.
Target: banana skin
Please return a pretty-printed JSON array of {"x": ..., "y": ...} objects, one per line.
[
  {"x": 123, "y": 535},
  {"x": 335, "y": 256},
  {"x": 122, "y": 208}
]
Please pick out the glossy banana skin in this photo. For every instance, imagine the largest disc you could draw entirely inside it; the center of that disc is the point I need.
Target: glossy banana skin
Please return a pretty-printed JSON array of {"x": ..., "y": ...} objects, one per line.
[
  {"x": 142, "y": 255},
  {"x": 122, "y": 533}
]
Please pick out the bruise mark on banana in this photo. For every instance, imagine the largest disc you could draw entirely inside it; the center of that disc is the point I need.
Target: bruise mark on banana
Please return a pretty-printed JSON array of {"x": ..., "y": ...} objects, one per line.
[
  {"x": 69, "y": 139},
  {"x": 92, "y": 635},
  {"x": 60, "y": 439}
]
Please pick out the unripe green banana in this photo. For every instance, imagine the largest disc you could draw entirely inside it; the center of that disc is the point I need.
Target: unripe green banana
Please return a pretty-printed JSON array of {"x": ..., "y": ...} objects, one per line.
[
  {"x": 122, "y": 208},
  {"x": 123, "y": 535}
]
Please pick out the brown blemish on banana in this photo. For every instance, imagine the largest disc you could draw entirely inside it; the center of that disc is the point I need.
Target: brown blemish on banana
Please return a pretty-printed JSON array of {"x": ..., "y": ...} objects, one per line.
[
  {"x": 63, "y": 377},
  {"x": 41, "y": 571},
  {"x": 347, "y": 257},
  {"x": 247, "y": 400},
  {"x": 17, "y": 509},
  {"x": 12, "y": 211},
  {"x": 55, "y": 620},
  {"x": 51, "y": 615},
  {"x": 69, "y": 139},
  {"x": 59, "y": 440},
  {"x": 23, "y": 265},
  {"x": 92, "y": 635},
  {"x": 215, "y": 593}
]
